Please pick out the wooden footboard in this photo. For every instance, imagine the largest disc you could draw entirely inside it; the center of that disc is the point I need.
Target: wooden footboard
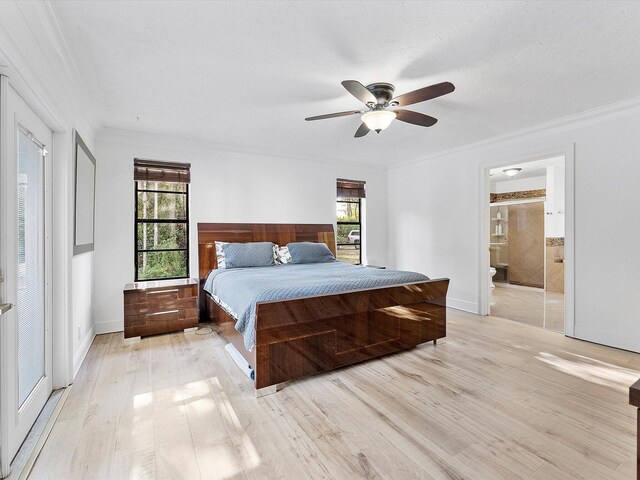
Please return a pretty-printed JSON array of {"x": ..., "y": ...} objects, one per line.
[
  {"x": 303, "y": 336},
  {"x": 300, "y": 337}
]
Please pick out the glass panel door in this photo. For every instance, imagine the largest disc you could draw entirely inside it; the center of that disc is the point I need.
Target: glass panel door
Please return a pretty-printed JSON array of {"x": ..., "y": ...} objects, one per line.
[
  {"x": 31, "y": 292},
  {"x": 25, "y": 253}
]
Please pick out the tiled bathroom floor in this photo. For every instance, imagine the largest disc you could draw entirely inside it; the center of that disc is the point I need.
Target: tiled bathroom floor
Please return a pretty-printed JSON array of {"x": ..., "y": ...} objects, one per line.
[{"x": 533, "y": 306}]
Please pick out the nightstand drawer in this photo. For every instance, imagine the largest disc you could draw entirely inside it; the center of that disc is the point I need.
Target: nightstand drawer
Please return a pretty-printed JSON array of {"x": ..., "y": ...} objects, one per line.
[
  {"x": 160, "y": 307},
  {"x": 158, "y": 300},
  {"x": 164, "y": 296},
  {"x": 160, "y": 322},
  {"x": 160, "y": 295}
]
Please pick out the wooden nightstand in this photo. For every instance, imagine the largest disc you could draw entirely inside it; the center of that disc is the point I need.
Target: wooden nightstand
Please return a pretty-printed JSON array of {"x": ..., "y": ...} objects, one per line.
[{"x": 160, "y": 306}]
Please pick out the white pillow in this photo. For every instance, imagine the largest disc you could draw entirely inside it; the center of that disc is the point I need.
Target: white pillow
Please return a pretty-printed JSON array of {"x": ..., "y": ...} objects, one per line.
[
  {"x": 220, "y": 254},
  {"x": 282, "y": 254}
]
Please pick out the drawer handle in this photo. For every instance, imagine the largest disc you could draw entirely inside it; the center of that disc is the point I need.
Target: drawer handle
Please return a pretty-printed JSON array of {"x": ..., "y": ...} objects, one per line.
[
  {"x": 162, "y": 313},
  {"x": 162, "y": 291}
]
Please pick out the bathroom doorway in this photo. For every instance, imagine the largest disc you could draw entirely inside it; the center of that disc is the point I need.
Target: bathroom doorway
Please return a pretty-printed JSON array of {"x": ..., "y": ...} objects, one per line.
[{"x": 526, "y": 243}]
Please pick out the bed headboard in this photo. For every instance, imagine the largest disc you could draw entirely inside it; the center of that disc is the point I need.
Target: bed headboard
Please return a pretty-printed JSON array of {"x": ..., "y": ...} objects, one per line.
[{"x": 280, "y": 233}]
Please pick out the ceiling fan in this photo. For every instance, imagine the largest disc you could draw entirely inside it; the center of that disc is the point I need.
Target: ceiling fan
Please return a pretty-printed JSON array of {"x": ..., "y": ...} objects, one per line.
[{"x": 379, "y": 96}]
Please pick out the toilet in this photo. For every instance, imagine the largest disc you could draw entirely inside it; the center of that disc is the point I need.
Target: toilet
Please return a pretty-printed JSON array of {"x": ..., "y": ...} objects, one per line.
[{"x": 492, "y": 272}]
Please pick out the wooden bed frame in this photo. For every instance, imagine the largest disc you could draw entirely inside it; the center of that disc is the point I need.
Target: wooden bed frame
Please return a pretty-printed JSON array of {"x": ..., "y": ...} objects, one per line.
[{"x": 303, "y": 336}]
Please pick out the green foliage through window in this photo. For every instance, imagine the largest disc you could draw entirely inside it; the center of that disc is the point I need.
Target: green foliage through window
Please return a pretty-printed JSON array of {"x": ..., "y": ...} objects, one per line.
[{"x": 162, "y": 230}]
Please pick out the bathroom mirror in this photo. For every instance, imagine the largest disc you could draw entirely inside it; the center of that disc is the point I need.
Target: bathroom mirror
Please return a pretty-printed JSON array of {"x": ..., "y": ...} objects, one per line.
[{"x": 85, "y": 182}]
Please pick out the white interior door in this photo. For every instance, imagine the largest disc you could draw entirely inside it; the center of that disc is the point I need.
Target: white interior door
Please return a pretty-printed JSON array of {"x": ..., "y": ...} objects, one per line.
[{"x": 25, "y": 263}]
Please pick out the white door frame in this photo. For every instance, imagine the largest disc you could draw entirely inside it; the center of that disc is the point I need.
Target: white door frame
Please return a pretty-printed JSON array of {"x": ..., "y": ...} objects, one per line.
[
  {"x": 61, "y": 160},
  {"x": 568, "y": 151},
  {"x": 4, "y": 330}
]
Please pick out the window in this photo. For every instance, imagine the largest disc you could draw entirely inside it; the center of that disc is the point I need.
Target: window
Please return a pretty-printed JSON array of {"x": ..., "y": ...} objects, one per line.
[
  {"x": 161, "y": 219},
  {"x": 349, "y": 219}
]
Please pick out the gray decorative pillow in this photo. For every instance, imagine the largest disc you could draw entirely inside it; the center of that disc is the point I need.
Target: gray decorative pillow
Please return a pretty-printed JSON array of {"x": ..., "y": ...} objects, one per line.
[
  {"x": 310, "y": 252},
  {"x": 253, "y": 254}
]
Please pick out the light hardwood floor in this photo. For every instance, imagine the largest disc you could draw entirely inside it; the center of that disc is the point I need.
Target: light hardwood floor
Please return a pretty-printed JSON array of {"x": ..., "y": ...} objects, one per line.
[
  {"x": 533, "y": 306},
  {"x": 495, "y": 400}
]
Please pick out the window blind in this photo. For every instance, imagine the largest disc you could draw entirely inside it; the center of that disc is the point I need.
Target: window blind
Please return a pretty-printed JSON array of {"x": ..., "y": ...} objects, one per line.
[
  {"x": 350, "y": 188},
  {"x": 157, "y": 171},
  {"x": 30, "y": 299}
]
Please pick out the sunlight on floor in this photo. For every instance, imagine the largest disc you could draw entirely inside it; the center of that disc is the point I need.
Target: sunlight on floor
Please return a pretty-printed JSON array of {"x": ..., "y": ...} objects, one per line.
[
  {"x": 199, "y": 399},
  {"x": 247, "y": 449},
  {"x": 591, "y": 370},
  {"x": 224, "y": 464},
  {"x": 142, "y": 400},
  {"x": 198, "y": 396}
]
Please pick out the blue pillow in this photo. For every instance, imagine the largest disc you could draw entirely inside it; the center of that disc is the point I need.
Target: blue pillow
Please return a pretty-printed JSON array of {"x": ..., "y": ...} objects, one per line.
[
  {"x": 310, "y": 252},
  {"x": 253, "y": 254}
]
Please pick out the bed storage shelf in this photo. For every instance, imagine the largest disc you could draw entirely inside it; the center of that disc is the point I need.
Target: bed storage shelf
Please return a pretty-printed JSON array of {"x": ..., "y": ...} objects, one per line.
[{"x": 303, "y": 336}]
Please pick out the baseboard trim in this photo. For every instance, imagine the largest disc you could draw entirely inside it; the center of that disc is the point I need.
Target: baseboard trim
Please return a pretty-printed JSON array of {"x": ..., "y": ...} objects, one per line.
[
  {"x": 109, "y": 327},
  {"x": 83, "y": 349},
  {"x": 463, "y": 305},
  {"x": 607, "y": 339}
]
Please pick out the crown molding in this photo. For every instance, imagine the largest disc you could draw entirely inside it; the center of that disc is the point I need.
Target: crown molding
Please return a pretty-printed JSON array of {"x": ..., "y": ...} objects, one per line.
[
  {"x": 71, "y": 67},
  {"x": 562, "y": 124},
  {"x": 205, "y": 147},
  {"x": 69, "y": 57},
  {"x": 47, "y": 35}
]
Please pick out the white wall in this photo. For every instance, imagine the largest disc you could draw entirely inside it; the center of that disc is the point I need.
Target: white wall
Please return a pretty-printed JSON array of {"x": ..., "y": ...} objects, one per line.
[
  {"x": 82, "y": 305},
  {"x": 555, "y": 205},
  {"x": 226, "y": 186},
  {"x": 36, "y": 58},
  {"x": 434, "y": 217},
  {"x": 519, "y": 184}
]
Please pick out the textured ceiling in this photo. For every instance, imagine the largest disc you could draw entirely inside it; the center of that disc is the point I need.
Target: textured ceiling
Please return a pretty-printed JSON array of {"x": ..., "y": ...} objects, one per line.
[{"x": 246, "y": 74}]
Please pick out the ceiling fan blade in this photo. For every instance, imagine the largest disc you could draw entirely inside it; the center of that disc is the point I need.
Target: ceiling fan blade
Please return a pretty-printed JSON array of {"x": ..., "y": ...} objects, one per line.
[
  {"x": 362, "y": 130},
  {"x": 415, "y": 118},
  {"x": 359, "y": 91},
  {"x": 333, "y": 115},
  {"x": 423, "y": 94}
]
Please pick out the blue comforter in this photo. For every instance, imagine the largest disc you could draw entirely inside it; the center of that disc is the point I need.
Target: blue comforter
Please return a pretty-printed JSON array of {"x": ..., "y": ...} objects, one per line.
[{"x": 240, "y": 288}]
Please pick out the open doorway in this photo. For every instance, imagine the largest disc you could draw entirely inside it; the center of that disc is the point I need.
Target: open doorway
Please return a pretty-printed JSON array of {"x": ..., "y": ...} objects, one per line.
[{"x": 526, "y": 242}]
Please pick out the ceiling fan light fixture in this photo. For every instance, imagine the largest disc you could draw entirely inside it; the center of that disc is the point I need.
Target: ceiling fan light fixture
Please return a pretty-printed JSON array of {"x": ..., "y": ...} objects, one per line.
[
  {"x": 379, "y": 96},
  {"x": 512, "y": 172},
  {"x": 378, "y": 120}
]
